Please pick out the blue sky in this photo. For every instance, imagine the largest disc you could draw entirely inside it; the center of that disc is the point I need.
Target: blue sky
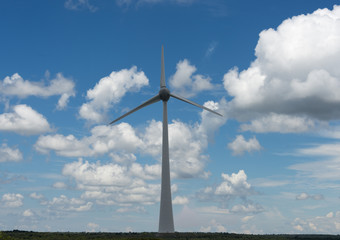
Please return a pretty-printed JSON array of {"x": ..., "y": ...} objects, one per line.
[{"x": 270, "y": 165}]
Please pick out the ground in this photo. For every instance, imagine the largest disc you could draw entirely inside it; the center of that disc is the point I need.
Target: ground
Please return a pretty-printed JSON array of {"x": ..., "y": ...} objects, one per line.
[{"x": 16, "y": 235}]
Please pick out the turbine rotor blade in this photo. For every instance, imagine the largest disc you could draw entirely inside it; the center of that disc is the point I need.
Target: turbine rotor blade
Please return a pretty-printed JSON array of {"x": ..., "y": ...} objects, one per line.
[
  {"x": 150, "y": 101},
  {"x": 163, "y": 85},
  {"x": 193, "y": 103}
]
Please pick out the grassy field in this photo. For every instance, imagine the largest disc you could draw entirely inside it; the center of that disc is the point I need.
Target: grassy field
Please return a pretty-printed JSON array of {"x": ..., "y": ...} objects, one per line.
[{"x": 16, "y": 235}]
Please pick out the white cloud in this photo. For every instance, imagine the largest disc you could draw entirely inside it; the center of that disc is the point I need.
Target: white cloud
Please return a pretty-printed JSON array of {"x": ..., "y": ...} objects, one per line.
[
  {"x": 146, "y": 172},
  {"x": 213, "y": 227},
  {"x": 321, "y": 169},
  {"x": 125, "y": 182},
  {"x": 331, "y": 149},
  {"x": 36, "y": 196},
  {"x": 28, "y": 213},
  {"x": 210, "y": 122},
  {"x": 138, "y": 209},
  {"x": 24, "y": 120},
  {"x": 205, "y": 229},
  {"x": 267, "y": 182},
  {"x": 12, "y": 200},
  {"x": 8, "y": 154},
  {"x": 17, "y": 86},
  {"x": 92, "y": 227},
  {"x": 64, "y": 203},
  {"x": 103, "y": 140},
  {"x": 60, "y": 185},
  {"x": 294, "y": 75},
  {"x": 63, "y": 145},
  {"x": 111, "y": 184},
  {"x": 187, "y": 144},
  {"x": 214, "y": 210},
  {"x": 109, "y": 90},
  {"x": 137, "y": 3},
  {"x": 298, "y": 227},
  {"x": 282, "y": 123},
  {"x": 97, "y": 175},
  {"x": 327, "y": 224},
  {"x": 77, "y": 5},
  {"x": 247, "y": 218},
  {"x": 186, "y": 158},
  {"x": 187, "y": 84},
  {"x": 240, "y": 145},
  {"x": 234, "y": 185},
  {"x": 180, "y": 200},
  {"x": 211, "y": 48},
  {"x": 304, "y": 196},
  {"x": 249, "y": 208}
]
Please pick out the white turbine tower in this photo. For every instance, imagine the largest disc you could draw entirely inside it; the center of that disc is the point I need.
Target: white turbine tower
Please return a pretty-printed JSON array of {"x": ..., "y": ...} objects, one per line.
[{"x": 166, "y": 221}]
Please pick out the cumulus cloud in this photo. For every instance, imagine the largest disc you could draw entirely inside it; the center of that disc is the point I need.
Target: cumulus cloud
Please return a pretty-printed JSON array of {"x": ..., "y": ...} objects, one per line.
[
  {"x": 295, "y": 75},
  {"x": 12, "y": 200},
  {"x": 111, "y": 184},
  {"x": 24, "y": 120},
  {"x": 213, "y": 227},
  {"x": 247, "y": 218},
  {"x": 282, "y": 123},
  {"x": 8, "y": 154},
  {"x": 103, "y": 140},
  {"x": 138, "y": 209},
  {"x": 63, "y": 203},
  {"x": 186, "y": 142},
  {"x": 248, "y": 208},
  {"x": 304, "y": 196},
  {"x": 187, "y": 159},
  {"x": 125, "y": 182},
  {"x": 109, "y": 91},
  {"x": 240, "y": 145},
  {"x": 92, "y": 227},
  {"x": 328, "y": 223},
  {"x": 60, "y": 185},
  {"x": 234, "y": 186},
  {"x": 186, "y": 145},
  {"x": 36, "y": 196},
  {"x": 28, "y": 213},
  {"x": 186, "y": 83},
  {"x": 17, "y": 86},
  {"x": 62, "y": 145},
  {"x": 210, "y": 122},
  {"x": 96, "y": 174},
  {"x": 180, "y": 200}
]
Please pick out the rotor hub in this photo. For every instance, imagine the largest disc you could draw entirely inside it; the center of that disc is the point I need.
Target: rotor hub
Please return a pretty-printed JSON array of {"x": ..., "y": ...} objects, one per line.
[{"x": 164, "y": 94}]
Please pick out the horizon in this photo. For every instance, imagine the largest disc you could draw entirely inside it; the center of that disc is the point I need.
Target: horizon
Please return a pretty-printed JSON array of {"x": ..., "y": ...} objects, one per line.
[{"x": 270, "y": 165}]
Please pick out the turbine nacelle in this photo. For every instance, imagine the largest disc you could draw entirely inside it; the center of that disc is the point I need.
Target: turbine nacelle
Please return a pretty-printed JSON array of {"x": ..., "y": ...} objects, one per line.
[{"x": 164, "y": 94}]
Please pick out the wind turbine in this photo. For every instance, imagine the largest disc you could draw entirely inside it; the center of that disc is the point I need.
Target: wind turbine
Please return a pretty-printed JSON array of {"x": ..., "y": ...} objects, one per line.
[{"x": 166, "y": 221}]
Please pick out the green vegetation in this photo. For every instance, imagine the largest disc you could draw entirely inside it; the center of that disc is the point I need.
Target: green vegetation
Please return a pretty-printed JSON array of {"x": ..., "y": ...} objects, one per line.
[{"x": 21, "y": 235}]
